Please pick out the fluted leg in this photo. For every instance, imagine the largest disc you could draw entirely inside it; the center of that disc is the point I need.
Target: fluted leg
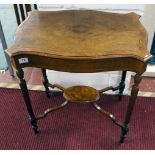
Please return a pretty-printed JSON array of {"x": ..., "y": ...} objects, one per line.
[
  {"x": 132, "y": 100},
  {"x": 45, "y": 82},
  {"x": 122, "y": 85},
  {"x": 25, "y": 93}
]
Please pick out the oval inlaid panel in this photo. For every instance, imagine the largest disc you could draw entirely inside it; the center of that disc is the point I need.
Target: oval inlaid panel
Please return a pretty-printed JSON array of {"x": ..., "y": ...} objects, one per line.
[{"x": 83, "y": 94}]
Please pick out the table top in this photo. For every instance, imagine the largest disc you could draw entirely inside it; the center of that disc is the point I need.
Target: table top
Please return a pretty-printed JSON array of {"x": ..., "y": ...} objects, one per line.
[{"x": 81, "y": 34}]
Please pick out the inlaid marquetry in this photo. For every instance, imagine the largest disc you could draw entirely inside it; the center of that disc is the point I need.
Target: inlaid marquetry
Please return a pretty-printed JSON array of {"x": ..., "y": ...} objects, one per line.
[{"x": 83, "y": 94}]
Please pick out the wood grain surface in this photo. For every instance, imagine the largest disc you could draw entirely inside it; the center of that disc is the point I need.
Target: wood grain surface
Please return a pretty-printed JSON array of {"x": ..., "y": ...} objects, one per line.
[
  {"x": 83, "y": 94},
  {"x": 80, "y": 34}
]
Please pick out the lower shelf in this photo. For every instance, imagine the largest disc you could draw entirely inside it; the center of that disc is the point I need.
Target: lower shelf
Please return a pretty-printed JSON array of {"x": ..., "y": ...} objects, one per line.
[{"x": 83, "y": 94}]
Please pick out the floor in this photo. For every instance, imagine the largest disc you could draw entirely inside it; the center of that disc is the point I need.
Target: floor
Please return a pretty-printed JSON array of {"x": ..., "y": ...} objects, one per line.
[{"x": 33, "y": 77}]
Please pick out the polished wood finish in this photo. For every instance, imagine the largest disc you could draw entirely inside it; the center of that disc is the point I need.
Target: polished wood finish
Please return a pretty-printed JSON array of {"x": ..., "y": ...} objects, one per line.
[
  {"x": 27, "y": 100},
  {"x": 81, "y": 41},
  {"x": 17, "y": 14},
  {"x": 132, "y": 101},
  {"x": 80, "y": 66},
  {"x": 21, "y": 11},
  {"x": 45, "y": 82},
  {"x": 108, "y": 88},
  {"x": 56, "y": 86},
  {"x": 49, "y": 110},
  {"x": 23, "y": 16},
  {"x": 108, "y": 114},
  {"x": 83, "y": 94},
  {"x": 27, "y": 8},
  {"x": 122, "y": 84},
  {"x": 88, "y": 35},
  {"x": 93, "y": 45}
]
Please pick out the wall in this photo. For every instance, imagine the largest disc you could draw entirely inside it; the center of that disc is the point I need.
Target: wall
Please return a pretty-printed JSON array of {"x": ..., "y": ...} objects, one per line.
[
  {"x": 111, "y": 7},
  {"x": 148, "y": 20}
]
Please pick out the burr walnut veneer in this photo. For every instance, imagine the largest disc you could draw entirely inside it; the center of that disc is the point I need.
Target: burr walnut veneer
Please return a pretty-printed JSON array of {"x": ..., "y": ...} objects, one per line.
[{"x": 81, "y": 41}]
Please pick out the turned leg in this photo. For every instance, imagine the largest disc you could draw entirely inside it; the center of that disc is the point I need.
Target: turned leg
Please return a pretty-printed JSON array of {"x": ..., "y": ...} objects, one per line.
[
  {"x": 132, "y": 100},
  {"x": 122, "y": 85},
  {"x": 25, "y": 93},
  {"x": 45, "y": 82}
]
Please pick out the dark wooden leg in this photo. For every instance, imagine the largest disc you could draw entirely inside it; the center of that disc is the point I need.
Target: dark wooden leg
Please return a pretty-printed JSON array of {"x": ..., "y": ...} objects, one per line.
[
  {"x": 25, "y": 93},
  {"x": 122, "y": 85},
  {"x": 132, "y": 100},
  {"x": 35, "y": 7},
  {"x": 45, "y": 82}
]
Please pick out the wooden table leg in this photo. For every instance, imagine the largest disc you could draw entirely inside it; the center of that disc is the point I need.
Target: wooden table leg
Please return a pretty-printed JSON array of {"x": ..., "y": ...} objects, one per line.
[
  {"x": 25, "y": 93},
  {"x": 132, "y": 100},
  {"x": 45, "y": 82},
  {"x": 122, "y": 84}
]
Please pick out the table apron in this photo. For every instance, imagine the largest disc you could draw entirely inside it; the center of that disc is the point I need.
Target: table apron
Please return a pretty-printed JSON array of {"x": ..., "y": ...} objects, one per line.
[{"x": 81, "y": 65}]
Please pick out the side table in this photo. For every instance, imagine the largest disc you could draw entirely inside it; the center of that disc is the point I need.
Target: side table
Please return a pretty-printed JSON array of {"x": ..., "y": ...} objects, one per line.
[{"x": 81, "y": 41}]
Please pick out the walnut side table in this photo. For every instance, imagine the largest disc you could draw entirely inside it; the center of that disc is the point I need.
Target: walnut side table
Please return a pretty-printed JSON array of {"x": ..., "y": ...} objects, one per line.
[{"x": 81, "y": 41}]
